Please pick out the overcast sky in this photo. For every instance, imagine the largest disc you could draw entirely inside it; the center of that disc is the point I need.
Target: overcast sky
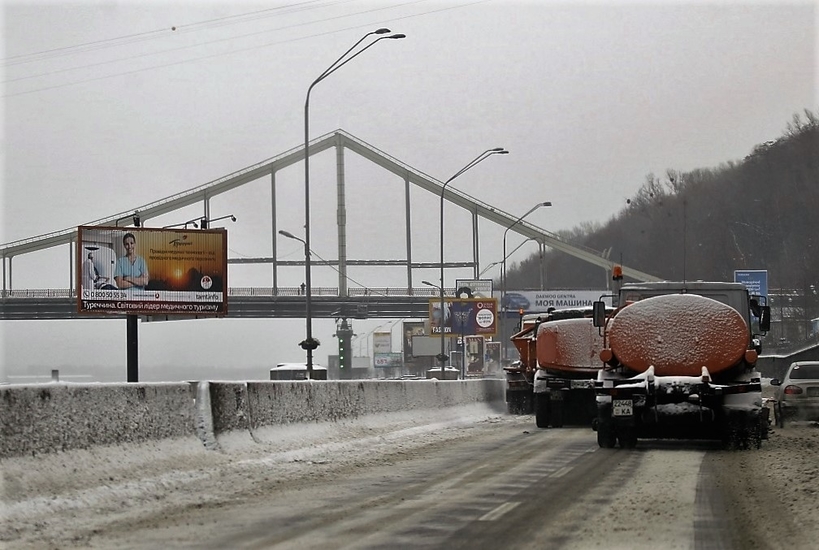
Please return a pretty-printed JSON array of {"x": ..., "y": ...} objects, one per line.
[{"x": 108, "y": 106}]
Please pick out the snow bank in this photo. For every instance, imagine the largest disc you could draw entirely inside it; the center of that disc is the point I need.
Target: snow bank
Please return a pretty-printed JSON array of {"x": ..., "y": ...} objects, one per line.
[{"x": 41, "y": 419}]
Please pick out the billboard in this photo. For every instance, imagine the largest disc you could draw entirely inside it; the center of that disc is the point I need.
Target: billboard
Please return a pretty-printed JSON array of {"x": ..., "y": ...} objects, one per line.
[
  {"x": 411, "y": 329},
  {"x": 467, "y": 316},
  {"x": 387, "y": 360},
  {"x": 493, "y": 350},
  {"x": 755, "y": 280},
  {"x": 473, "y": 288},
  {"x": 541, "y": 300},
  {"x": 382, "y": 342},
  {"x": 151, "y": 271},
  {"x": 474, "y": 348},
  {"x": 427, "y": 346}
]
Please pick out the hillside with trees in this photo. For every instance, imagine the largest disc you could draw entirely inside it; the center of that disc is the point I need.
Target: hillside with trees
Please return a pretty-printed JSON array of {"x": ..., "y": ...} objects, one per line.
[{"x": 757, "y": 213}]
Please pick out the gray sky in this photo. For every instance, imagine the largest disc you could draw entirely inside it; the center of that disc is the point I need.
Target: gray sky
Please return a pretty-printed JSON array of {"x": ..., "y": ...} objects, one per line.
[{"x": 106, "y": 108}]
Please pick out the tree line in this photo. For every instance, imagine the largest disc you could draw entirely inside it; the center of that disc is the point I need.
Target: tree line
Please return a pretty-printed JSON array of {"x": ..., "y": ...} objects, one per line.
[{"x": 757, "y": 213}]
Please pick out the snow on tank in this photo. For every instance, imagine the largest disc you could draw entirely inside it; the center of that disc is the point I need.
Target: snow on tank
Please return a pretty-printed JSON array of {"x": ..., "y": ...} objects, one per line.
[
  {"x": 571, "y": 345},
  {"x": 678, "y": 334}
]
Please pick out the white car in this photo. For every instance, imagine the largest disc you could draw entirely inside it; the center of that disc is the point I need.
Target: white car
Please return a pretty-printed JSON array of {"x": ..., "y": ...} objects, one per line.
[{"x": 797, "y": 394}]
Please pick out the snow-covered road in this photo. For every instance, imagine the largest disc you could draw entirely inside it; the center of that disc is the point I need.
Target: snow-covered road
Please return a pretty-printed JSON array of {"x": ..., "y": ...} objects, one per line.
[{"x": 418, "y": 481}]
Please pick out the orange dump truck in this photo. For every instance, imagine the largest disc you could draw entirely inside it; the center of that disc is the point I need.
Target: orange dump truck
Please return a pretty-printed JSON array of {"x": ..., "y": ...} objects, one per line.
[
  {"x": 559, "y": 361},
  {"x": 679, "y": 362}
]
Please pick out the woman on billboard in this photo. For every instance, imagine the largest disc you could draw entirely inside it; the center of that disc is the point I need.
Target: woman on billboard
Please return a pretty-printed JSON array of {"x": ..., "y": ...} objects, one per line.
[{"x": 131, "y": 270}]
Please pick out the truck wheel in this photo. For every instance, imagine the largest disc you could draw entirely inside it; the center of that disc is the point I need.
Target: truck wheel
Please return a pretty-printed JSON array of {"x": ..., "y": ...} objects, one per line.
[
  {"x": 557, "y": 413},
  {"x": 736, "y": 434},
  {"x": 513, "y": 405},
  {"x": 757, "y": 435},
  {"x": 628, "y": 438},
  {"x": 517, "y": 403},
  {"x": 526, "y": 403},
  {"x": 606, "y": 437},
  {"x": 542, "y": 410}
]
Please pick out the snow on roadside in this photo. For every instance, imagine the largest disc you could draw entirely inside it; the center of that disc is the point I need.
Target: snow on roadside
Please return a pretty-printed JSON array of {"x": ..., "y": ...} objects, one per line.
[
  {"x": 48, "y": 497},
  {"x": 776, "y": 488}
]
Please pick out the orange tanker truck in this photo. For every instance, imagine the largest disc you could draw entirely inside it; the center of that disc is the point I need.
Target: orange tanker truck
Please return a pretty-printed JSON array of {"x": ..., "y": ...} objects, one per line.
[
  {"x": 554, "y": 377},
  {"x": 679, "y": 362}
]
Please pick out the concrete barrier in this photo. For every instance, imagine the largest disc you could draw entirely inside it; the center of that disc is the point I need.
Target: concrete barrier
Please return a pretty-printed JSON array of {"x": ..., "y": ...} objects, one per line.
[
  {"x": 273, "y": 403},
  {"x": 50, "y": 418}
]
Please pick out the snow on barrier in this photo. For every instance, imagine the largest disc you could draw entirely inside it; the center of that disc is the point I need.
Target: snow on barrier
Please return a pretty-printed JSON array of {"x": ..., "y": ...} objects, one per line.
[
  {"x": 272, "y": 403},
  {"x": 49, "y": 418},
  {"x": 243, "y": 411}
]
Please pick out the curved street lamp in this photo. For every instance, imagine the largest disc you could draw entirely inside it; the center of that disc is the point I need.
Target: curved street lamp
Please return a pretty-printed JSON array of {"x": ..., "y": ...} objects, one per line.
[
  {"x": 503, "y": 275},
  {"x": 499, "y": 262},
  {"x": 442, "y": 357},
  {"x": 310, "y": 343}
]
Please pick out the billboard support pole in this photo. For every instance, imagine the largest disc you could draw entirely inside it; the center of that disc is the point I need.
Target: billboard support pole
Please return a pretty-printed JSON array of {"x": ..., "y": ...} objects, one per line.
[{"x": 132, "y": 336}]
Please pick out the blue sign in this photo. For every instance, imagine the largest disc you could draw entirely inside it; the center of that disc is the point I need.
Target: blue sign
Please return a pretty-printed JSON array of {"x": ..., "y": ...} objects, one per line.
[{"x": 755, "y": 280}]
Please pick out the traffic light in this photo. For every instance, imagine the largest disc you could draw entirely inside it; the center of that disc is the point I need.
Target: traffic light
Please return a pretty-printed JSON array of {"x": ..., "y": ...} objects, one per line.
[
  {"x": 342, "y": 352},
  {"x": 345, "y": 358}
]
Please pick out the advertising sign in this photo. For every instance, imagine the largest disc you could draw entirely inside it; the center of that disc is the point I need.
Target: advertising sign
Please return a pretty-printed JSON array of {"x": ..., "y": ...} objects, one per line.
[
  {"x": 428, "y": 346},
  {"x": 382, "y": 342},
  {"x": 411, "y": 328},
  {"x": 755, "y": 280},
  {"x": 541, "y": 300},
  {"x": 387, "y": 360},
  {"x": 469, "y": 316},
  {"x": 473, "y": 288},
  {"x": 151, "y": 271},
  {"x": 474, "y": 347},
  {"x": 492, "y": 356}
]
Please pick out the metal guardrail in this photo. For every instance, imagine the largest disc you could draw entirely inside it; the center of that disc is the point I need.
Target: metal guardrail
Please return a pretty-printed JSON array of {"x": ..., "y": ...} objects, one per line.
[{"x": 63, "y": 293}]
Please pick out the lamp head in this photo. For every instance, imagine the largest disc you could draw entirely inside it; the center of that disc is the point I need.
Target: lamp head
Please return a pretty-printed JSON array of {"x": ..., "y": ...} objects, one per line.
[
  {"x": 287, "y": 234},
  {"x": 233, "y": 218},
  {"x": 381, "y": 31},
  {"x": 396, "y": 36},
  {"x": 547, "y": 203}
]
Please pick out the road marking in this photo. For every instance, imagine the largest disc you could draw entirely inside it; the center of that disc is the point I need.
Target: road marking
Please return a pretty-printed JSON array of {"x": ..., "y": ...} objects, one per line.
[
  {"x": 562, "y": 472},
  {"x": 499, "y": 511}
]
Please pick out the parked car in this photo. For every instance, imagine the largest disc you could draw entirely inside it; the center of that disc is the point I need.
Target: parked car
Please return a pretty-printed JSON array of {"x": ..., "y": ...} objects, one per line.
[{"x": 797, "y": 394}]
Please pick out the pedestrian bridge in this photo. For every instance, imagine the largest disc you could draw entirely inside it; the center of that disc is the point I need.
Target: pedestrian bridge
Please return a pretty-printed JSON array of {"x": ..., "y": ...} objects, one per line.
[
  {"x": 249, "y": 302},
  {"x": 406, "y": 301}
]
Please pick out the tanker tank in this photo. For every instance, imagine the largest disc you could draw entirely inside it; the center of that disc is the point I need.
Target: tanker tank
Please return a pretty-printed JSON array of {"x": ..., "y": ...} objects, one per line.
[
  {"x": 678, "y": 334},
  {"x": 679, "y": 362}
]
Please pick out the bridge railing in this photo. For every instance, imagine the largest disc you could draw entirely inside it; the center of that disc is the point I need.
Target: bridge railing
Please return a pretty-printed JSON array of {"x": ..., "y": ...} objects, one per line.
[{"x": 63, "y": 293}]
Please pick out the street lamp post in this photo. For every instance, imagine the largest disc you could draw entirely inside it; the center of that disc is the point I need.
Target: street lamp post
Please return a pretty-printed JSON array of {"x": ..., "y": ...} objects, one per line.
[
  {"x": 310, "y": 343},
  {"x": 489, "y": 152},
  {"x": 499, "y": 262},
  {"x": 503, "y": 275},
  {"x": 443, "y": 348}
]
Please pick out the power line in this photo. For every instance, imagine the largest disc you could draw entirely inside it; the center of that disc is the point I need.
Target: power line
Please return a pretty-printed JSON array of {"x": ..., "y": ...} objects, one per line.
[
  {"x": 334, "y": 268},
  {"x": 232, "y": 52},
  {"x": 149, "y": 35},
  {"x": 175, "y": 49}
]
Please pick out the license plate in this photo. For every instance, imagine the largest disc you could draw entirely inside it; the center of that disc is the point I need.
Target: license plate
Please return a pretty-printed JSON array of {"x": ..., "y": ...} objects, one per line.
[
  {"x": 622, "y": 407},
  {"x": 813, "y": 392}
]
